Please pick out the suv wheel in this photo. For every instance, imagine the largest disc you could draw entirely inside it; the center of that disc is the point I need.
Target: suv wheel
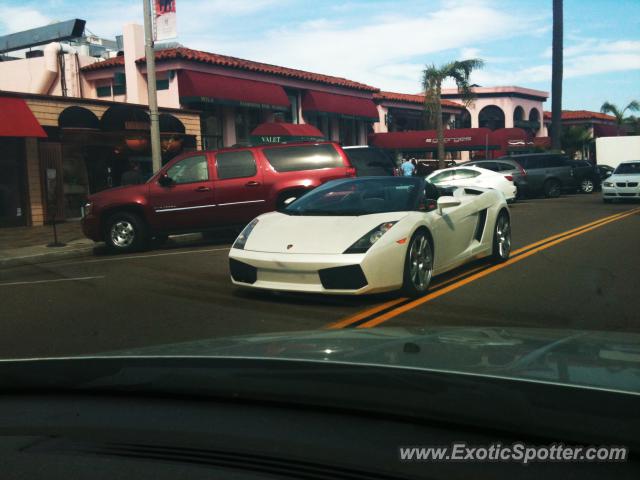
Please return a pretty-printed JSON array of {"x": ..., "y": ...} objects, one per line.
[
  {"x": 587, "y": 186},
  {"x": 552, "y": 188},
  {"x": 125, "y": 232}
]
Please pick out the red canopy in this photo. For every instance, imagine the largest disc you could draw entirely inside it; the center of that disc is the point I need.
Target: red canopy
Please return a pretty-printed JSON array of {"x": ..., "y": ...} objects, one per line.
[
  {"x": 17, "y": 120},
  {"x": 458, "y": 139},
  {"x": 281, "y": 129},
  {"x": 211, "y": 88},
  {"x": 314, "y": 101}
]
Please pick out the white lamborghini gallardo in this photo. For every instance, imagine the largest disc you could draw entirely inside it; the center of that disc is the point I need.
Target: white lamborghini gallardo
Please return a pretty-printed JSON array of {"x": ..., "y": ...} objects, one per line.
[{"x": 371, "y": 234}]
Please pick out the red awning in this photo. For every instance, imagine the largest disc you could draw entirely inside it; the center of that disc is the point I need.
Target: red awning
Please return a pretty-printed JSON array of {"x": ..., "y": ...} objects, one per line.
[
  {"x": 427, "y": 140},
  {"x": 287, "y": 130},
  {"x": 211, "y": 88},
  {"x": 314, "y": 101},
  {"x": 17, "y": 120},
  {"x": 511, "y": 138}
]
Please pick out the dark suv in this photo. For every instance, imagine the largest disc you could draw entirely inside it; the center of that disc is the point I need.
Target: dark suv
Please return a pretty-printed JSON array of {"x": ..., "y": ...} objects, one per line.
[
  {"x": 205, "y": 190},
  {"x": 547, "y": 173}
]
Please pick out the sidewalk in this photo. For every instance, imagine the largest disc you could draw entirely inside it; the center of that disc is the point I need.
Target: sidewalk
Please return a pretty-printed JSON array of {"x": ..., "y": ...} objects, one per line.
[{"x": 27, "y": 245}]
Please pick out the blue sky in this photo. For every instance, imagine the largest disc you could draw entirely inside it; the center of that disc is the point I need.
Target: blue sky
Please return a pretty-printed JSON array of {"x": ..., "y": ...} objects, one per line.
[{"x": 387, "y": 43}]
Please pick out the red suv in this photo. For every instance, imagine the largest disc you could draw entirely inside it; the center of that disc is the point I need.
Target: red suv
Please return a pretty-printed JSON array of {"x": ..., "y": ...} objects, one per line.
[{"x": 204, "y": 190}]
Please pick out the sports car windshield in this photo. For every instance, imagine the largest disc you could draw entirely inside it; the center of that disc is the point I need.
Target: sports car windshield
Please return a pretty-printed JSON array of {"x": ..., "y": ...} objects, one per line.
[{"x": 363, "y": 196}]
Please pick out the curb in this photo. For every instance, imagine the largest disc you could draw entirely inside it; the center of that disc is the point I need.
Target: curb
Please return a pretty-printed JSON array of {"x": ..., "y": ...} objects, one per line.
[{"x": 45, "y": 257}]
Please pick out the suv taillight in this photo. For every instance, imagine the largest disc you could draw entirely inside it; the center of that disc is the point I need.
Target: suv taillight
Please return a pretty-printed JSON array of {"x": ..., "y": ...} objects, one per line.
[
  {"x": 509, "y": 177},
  {"x": 351, "y": 172}
]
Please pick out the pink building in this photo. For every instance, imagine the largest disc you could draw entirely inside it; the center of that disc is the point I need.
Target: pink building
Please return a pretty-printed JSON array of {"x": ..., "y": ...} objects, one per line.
[{"x": 503, "y": 107}]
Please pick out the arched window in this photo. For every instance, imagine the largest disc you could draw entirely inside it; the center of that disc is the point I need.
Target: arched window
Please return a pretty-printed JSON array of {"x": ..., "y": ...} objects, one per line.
[
  {"x": 78, "y": 117},
  {"x": 491, "y": 117},
  {"x": 518, "y": 115}
]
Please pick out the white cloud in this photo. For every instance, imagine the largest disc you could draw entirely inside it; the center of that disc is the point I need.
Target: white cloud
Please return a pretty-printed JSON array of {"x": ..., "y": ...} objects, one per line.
[
  {"x": 16, "y": 19},
  {"x": 376, "y": 49}
]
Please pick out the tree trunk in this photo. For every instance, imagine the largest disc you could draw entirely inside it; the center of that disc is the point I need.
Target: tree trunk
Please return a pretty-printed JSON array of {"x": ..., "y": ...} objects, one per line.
[
  {"x": 556, "y": 76},
  {"x": 439, "y": 128}
]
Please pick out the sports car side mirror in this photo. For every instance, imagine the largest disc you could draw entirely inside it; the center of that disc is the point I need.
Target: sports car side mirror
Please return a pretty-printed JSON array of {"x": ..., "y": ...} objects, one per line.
[{"x": 447, "y": 202}]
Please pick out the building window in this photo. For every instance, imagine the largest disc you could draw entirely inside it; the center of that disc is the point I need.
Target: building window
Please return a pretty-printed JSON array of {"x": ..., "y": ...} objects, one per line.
[
  {"x": 162, "y": 84},
  {"x": 103, "y": 91},
  {"x": 211, "y": 125},
  {"x": 291, "y": 116},
  {"x": 247, "y": 119},
  {"x": 119, "y": 89}
]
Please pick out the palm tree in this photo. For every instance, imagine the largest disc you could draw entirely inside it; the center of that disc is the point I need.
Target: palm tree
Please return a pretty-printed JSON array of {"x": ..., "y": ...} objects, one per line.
[
  {"x": 432, "y": 78},
  {"x": 576, "y": 139},
  {"x": 556, "y": 76},
  {"x": 621, "y": 120}
]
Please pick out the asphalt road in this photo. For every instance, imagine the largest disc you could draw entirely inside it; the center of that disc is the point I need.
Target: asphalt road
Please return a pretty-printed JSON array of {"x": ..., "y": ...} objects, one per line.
[{"x": 584, "y": 279}]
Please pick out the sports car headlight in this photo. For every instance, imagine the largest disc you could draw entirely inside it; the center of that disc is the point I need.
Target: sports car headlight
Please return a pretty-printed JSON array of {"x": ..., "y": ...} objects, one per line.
[
  {"x": 608, "y": 184},
  {"x": 244, "y": 235},
  {"x": 368, "y": 239}
]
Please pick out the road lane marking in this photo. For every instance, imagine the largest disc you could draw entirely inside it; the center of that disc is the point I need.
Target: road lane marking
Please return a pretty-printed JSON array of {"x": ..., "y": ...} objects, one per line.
[
  {"x": 454, "y": 286},
  {"x": 356, "y": 317},
  {"x": 567, "y": 232},
  {"x": 129, "y": 257},
  {"x": 33, "y": 282},
  {"x": 364, "y": 314}
]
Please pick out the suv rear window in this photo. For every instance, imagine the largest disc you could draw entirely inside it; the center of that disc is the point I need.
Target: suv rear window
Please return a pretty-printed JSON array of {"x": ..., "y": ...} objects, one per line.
[
  {"x": 303, "y": 157},
  {"x": 369, "y": 161},
  {"x": 235, "y": 164}
]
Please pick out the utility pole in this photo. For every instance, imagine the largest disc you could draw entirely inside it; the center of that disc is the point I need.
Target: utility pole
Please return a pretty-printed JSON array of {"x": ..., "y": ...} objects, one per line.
[
  {"x": 156, "y": 152},
  {"x": 556, "y": 76}
]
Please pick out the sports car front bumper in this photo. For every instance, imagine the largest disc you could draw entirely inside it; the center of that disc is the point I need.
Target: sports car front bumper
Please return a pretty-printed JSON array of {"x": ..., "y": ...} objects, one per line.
[{"x": 344, "y": 274}]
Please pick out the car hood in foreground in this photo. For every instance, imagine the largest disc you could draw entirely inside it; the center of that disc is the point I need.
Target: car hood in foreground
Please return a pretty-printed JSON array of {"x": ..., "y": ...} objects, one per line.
[
  {"x": 276, "y": 231},
  {"x": 608, "y": 360}
]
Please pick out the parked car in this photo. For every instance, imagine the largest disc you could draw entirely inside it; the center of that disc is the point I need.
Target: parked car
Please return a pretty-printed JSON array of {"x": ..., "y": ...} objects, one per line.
[
  {"x": 547, "y": 173},
  {"x": 510, "y": 169},
  {"x": 205, "y": 190},
  {"x": 371, "y": 161},
  {"x": 468, "y": 176},
  {"x": 624, "y": 183},
  {"x": 427, "y": 167},
  {"x": 586, "y": 175}
]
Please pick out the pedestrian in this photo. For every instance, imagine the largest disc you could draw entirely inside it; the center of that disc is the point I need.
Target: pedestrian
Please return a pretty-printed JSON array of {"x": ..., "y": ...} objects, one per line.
[
  {"x": 407, "y": 168},
  {"x": 132, "y": 176}
]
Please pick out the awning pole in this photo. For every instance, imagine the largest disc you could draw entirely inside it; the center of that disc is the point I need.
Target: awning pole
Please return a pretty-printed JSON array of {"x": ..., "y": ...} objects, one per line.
[{"x": 156, "y": 152}]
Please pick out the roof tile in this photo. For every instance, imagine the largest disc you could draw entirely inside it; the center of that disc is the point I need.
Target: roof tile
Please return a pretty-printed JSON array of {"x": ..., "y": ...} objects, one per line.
[
  {"x": 237, "y": 63},
  {"x": 410, "y": 98}
]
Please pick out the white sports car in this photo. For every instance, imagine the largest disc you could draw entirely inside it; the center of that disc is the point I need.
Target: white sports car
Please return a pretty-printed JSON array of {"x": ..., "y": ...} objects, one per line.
[
  {"x": 475, "y": 177},
  {"x": 371, "y": 234}
]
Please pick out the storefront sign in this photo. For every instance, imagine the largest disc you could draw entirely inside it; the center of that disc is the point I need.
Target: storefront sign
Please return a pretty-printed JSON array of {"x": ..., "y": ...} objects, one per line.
[
  {"x": 165, "y": 20},
  {"x": 449, "y": 140}
]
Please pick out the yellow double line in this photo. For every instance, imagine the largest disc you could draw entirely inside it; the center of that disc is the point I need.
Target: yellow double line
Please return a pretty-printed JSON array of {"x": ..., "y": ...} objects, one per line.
[{"x": 403, "y": 304}]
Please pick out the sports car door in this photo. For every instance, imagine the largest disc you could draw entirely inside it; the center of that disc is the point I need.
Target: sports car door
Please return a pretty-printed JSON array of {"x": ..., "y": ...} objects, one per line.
[{"x": 456, "y": 228}]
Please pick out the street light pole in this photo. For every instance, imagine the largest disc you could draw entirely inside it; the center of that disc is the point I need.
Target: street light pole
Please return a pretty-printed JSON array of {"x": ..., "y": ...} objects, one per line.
[{"x": 156, "y": 153}]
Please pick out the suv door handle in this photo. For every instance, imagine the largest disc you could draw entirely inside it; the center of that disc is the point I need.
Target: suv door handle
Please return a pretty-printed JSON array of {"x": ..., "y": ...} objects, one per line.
[
  {"x": 203, "y": 189},
  {"x": 252, "y": 183}
]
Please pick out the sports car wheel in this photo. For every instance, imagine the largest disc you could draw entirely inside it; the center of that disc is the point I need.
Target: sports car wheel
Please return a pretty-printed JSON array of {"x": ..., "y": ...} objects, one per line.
[
  {"x": 587, "y": 186},
  {"x": 502, "y": 238},
  {"x": 418, "y": 265}
]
